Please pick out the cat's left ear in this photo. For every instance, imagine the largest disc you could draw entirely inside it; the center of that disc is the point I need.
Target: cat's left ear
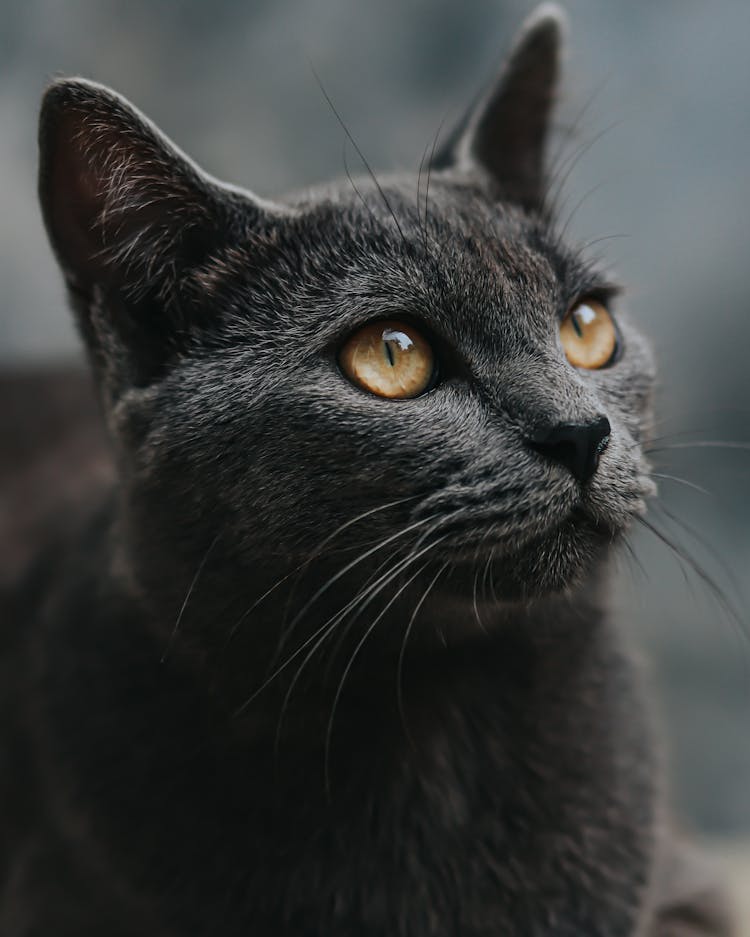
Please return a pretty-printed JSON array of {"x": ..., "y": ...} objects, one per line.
[
  {"x": 130, "y": 217},
  {"x": 505, "y": 132},
  {"x": 122, "y": 205}
]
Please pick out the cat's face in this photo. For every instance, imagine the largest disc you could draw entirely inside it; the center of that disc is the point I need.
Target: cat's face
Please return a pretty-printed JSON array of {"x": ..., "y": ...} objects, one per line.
[
  {"x": 263, "y": 421},
  {"x": 218, "y": 327}
]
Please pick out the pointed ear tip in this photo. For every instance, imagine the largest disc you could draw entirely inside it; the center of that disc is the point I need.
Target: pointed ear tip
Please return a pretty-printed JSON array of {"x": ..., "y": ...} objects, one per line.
[
  {"x": 548, "y": 19},
  {"x": 68, "y": 105},
  {"x": 64, "y": 93}
]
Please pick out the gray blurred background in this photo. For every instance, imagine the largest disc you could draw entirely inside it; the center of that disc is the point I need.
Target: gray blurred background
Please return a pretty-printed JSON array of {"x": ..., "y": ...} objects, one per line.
[{"x": 666, "y": 86}]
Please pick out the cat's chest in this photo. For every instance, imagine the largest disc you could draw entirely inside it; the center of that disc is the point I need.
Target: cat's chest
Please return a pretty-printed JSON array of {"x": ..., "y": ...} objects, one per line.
[
  {"x": 475, "y": 831},
  {"x": 473, "y": 809}
]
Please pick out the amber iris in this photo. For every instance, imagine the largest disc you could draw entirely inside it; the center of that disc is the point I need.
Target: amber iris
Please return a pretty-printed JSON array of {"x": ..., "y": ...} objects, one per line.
[
  {"x": 390, "y": 359},
  {"x": 588, "y": 335}
]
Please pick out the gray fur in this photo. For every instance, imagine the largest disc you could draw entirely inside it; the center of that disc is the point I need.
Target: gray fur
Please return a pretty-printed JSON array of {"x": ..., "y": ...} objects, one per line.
[{"x": 322, "y": 663}]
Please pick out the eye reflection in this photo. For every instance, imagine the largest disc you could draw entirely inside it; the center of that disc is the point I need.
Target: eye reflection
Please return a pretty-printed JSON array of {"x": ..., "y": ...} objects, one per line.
[
  {"x": 588, "y": 335},
  {"x": 401, "y": 338},
  {"x": 389, "y": 359}
]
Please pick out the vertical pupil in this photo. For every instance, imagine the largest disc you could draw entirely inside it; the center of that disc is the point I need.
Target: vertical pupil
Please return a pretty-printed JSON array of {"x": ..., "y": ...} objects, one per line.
[
  {"x": 389, "y": 353},
  {"x": 576, "y": 325}
]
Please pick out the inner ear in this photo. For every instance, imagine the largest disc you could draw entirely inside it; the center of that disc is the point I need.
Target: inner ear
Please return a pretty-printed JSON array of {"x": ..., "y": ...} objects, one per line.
[
  {"x": 130, "y": 217},
  {"x": 122, "y": 205}
]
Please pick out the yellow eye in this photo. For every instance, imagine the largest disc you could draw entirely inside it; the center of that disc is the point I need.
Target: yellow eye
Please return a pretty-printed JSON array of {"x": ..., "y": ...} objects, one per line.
[
  {"x": 388, "y": 358},
  {"x": 588, "y": 335}
]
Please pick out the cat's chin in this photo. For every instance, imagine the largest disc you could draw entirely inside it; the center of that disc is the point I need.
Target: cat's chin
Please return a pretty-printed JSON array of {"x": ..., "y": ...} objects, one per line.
[{"x": 554, "y": 562}]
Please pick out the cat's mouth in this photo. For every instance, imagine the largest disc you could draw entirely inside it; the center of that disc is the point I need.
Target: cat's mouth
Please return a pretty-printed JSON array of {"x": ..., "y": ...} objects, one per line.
[
  {"x": 478, "y": 540},
  {"x": 506, "y": 533}
]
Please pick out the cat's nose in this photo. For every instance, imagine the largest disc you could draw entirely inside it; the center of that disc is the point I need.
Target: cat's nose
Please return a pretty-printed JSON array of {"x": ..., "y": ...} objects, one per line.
[{"x": 577, "y": 446}]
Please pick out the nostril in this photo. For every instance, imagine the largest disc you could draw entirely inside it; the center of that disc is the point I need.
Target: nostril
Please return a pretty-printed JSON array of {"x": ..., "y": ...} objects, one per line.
[{"x": 577, "y": 446}]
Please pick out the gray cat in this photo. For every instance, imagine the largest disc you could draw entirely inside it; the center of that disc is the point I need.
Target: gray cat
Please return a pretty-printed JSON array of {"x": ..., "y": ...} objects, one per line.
[{"x": 331, "y": 655}]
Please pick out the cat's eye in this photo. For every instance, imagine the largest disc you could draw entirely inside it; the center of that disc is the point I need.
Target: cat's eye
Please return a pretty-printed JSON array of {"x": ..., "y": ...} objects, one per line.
[
  {"x": 588, "y": 335},
  {"x": 390, "y": 359}
]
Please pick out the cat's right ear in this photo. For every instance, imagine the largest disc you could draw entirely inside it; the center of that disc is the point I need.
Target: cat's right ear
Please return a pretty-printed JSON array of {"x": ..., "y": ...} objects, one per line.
[
  {"x": 504, "y": 134},
  {"x": 128, "y": 216}
]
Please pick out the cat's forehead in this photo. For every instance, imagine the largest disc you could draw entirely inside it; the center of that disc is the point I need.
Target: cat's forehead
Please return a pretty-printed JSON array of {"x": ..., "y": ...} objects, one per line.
[
  {"x": 442, "y": 206},
  {"x": 446, "y": 252},
  {"x": 482, "y": 273}
]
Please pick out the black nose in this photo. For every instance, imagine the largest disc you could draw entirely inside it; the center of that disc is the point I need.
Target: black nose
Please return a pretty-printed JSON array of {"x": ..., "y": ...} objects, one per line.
[{"x": 577, "y": 446}]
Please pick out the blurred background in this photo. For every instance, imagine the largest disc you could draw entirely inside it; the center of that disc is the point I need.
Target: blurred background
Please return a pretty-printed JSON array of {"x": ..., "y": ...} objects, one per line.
[{"x": 655, "y": 125}]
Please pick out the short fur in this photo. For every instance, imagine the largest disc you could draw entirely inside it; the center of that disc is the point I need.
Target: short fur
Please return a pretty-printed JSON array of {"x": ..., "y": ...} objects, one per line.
[{"x": 321, "y": 664}]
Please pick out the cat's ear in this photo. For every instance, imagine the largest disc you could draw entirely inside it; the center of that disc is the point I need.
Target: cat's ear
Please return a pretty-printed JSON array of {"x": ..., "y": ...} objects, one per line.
[
  {"x": 128, "y": 215},
  {"x": 505, "y": 132}
]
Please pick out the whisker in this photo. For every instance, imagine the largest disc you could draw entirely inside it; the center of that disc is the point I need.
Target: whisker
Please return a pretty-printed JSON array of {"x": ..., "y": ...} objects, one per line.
[
  {"x": 682, "y": 481},
  {"x": 360, "y": 602},
  {"x": 705, "y": 577},
  {"x": 358, "y": 648},
  {"x": 635, "y": 558},
  {"x": 354, "y": 185},
  {"x": 321, "y": 591},
  {"x": 436, "y": 262},
  {"x": 361, "y": 155},
  {"x": 257, "y": 602},
  {"x": 578, "y": 205},
  {"x": 570, "y": 163},
  {"x": 488, "y": 564},
  {"x": 705, "y": 412},
  {"x": 558, "y": 158},
  {"x": 587, "y": 245},
  {"x": 285, "y": 631},
  {"x": 699, "y": 539},
  {"x": 429, "y": 167},
  {"x": 188, "y": 594},
  {"x": 315, "y": 552},
  {"x": 372, "y": 582},
  {"x": 702, "y": 444},
  {"x": 422, "y": 227},
  {"x": 363, "y": 598},
  {"x": 493, "y": 593},
  {"x": 402, "y": 651},
  {"x": 474, "y": 602}
]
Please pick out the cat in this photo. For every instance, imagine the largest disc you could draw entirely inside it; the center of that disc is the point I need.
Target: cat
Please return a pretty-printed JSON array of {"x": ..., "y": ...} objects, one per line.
[{"x": 330, "y": 655}]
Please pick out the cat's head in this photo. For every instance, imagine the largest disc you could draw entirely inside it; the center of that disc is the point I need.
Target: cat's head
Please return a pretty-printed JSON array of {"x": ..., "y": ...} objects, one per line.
[{"x": 414, "y": 363}]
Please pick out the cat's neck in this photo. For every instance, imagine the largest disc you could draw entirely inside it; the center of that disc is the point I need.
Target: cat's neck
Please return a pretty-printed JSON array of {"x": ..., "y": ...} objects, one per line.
[{"x": 281, "y": 631}]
